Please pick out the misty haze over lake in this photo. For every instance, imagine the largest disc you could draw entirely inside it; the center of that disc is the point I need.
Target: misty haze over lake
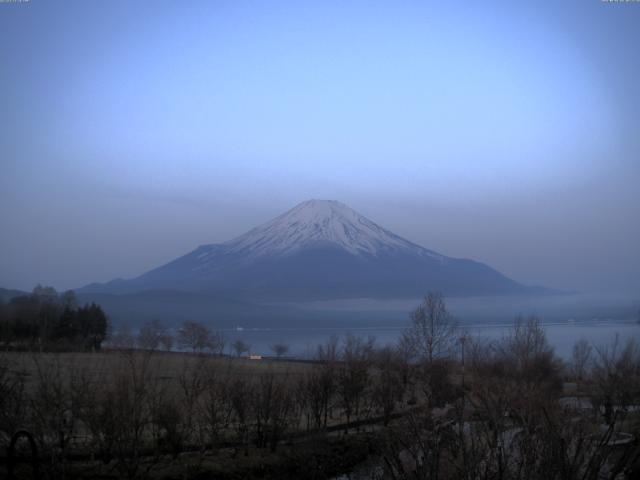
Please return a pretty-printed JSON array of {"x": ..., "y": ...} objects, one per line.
[
  {"x": 598, "y": 318},
  {"x": 303, "y": 342}
]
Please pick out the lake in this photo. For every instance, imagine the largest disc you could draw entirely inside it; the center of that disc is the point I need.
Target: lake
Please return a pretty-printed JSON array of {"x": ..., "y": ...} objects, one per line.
[
  {"x": 303, "y": 342},
  {"x": 598, "y": 318}
]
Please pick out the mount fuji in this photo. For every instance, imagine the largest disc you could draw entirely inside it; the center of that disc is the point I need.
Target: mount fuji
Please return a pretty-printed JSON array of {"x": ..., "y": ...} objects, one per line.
[{"x": 320, "y": 249}]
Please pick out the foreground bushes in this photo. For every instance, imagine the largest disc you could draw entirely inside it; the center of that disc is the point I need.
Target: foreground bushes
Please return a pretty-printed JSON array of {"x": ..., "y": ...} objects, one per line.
[
  {"x": 497, "y": 415},
  {"x": 136, "y": 412}
]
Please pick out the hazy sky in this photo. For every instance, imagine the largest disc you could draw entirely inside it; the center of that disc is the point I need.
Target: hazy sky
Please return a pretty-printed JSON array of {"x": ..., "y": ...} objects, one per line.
[{"x": 507, "y": 132}]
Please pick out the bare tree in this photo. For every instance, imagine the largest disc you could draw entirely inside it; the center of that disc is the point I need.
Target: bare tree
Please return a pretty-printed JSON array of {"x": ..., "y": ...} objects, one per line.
[
  {"x": 194, "y": 336},
  {"x": 317, "y": 392},
  {"x": 280, "y": 349},
  {"x": 191, "y": 426},
  {"x": 240, "y": 347},
  {"x": 580, "y": 358},
  {"x": 523, "y": 431},
  {"x": 528, "y": 362},
  {"x": 328, "y": 352},
  {"x": 123, "y": 337},
  {"x": 151, "y": 335},
  {"x": 432, "y": 330},
  {"x": 12, "y": 398},
  {"x": 415, "y": 448},
  {"x": 126, "y": 415},
  {"x": 354, "y": 378},
  {"x": 55, "y": 406},
  {"x": 166, "y": 340},
  {"x": 616, "y": 373},
  {"x": 217, "y": 343},
  {"x": 526, "y": 342},
  {"x": 215, "y": 405},
  {"x": 241, "y": 392},
  {"x": 271, "y": 404},
  {"x": 388, "y": 386},
  {"x": 320, "y": 386},
  {"x": 512, "y": 426}
]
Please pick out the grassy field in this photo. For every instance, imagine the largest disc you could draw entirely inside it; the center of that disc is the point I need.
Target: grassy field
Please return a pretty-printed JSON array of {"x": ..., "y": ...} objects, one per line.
[{"x": 165, "y": 366}]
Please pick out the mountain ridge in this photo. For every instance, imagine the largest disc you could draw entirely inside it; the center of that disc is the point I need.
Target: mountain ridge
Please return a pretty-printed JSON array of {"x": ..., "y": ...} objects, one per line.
[{"x": 318, "y": 249}]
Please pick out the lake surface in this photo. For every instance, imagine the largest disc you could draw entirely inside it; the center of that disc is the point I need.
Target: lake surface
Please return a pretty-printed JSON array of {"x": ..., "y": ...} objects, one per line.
[
  {"x": 596, "y": 317},
  {"x": 303, "y": 342}
]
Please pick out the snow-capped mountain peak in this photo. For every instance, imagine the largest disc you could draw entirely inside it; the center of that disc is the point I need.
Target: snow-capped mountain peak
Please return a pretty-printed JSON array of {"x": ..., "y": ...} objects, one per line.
[
  {"x": 320, "y": 223},
  {"x": 319, "y": 249}
]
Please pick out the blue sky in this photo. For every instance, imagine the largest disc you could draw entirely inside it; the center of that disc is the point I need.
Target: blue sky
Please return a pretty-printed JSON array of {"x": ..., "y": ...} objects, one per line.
[{"x": 506, "y": 132}]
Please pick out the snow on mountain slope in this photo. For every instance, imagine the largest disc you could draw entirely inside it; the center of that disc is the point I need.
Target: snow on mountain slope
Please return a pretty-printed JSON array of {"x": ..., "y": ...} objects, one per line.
[
  {"x": 320, "y": 223},
  {"x": 318, "y": 249}
]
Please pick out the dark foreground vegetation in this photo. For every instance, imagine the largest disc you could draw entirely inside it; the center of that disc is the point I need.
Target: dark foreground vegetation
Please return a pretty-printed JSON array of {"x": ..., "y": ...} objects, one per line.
[
  {"x": 439, "y": 405},
  {"x": 47, "y": 321}
]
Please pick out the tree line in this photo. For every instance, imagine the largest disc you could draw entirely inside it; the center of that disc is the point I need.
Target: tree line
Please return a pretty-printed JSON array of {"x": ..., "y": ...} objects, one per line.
[
  {"x": 191, "y": 336},
  {"x": 46, "y": 320}
]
